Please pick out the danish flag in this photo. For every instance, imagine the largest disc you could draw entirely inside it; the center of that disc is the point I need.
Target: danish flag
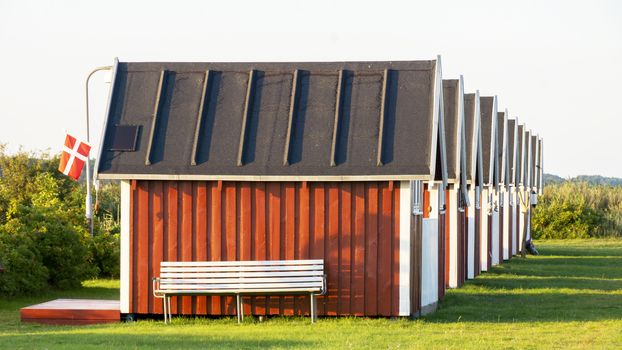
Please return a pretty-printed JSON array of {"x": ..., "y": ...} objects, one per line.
[{"x": 75, "y": 153}]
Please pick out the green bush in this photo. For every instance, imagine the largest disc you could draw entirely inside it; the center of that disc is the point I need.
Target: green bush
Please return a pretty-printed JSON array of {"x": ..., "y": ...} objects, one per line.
[
  {"x": 43, "y": 227},
  {"x": 24, "y": 272},
  {"x": 62, "y": 247},
  {"x": 578, "y": 210},
  {"x": 104, "y": 251}
]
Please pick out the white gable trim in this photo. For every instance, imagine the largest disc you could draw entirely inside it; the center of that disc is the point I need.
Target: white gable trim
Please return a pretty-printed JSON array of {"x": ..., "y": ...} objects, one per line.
[
  {"x": 438, "y": 124},
  {"x": 480, "y": 154},
  {"x": 541, "y": 169},
  {"x": 514, "y": 168},
  {"x": 494, "y": 146},
  {"x": 113, "y": 79},
  {"x": 505, "y": 172},
  {"x": 527, "y": 183},
  {"x": 461, "y": 149}
]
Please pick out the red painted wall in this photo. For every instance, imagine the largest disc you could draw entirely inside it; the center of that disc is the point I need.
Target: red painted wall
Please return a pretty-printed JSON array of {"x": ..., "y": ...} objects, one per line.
[{"x": 353, "y": 226}]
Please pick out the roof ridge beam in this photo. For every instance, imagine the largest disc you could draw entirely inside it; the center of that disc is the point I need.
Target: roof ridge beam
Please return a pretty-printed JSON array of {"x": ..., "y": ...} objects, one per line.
[
  {"x": 293, "y": 105},
  {"x": 197, "y": 129},
  {"x": 383, "y": 112},
  {"x": 154, "y": 119},
  {"x": 245, "y": 116},
  {"x": 338, "y": 102}
]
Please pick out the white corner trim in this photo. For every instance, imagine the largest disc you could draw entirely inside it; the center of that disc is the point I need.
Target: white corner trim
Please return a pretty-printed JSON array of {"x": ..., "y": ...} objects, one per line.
[
  {"x": 125, "y": 248},
  {"x": 471, "y": 237},
  {"x": 483, "y": 254},
  {"x": 453, "y": 238},
  {"x": 405, "y": 217}
]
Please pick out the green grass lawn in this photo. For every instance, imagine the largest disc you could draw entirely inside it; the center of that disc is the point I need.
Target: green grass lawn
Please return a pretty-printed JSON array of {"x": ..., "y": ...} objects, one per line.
[{"x": 568, "y": 297}]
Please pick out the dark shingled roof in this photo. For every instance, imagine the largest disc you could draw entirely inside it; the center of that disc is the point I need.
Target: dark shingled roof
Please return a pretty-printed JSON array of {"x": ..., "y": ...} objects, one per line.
[
  {"x": 534, "y": 159},
  {"x": 502, "y": 150},
  {"x": 488, "y": 109},
  {"x": 473, "y": 137},
  {"x": 451, "y": 98},
  {"x": 528, "y": 156},
  {"x": 512, "y": 150},
  {"x": 540, "y": 167},
  {"x": 295, "y": 120},
  {"x": 520, "y": 155}
]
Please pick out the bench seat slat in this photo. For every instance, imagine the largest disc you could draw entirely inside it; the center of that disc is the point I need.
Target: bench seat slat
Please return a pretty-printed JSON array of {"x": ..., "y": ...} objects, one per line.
[
  {"x": 284, "y": 285},
  {"x": 167, "y": 281},
  {"x": 239, "y": 291},
  {"x": 243, "y": 268},
  {"x": 240, "y": 263},
  {"x": 244, "y": 274}
]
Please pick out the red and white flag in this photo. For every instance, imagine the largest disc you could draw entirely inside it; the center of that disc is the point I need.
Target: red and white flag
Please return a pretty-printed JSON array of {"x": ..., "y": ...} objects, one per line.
[{"x": 75, "y": 154}]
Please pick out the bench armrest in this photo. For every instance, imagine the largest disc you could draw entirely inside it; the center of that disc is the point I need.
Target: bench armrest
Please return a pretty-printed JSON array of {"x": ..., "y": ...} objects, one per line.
[
  {"x": 324, "y": 288},
  {"x": 156, "y": 286}
]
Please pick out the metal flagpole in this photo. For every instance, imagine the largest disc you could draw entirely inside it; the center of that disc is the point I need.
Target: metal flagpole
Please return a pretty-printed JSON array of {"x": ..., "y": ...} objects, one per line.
[{"x": 89, "y": 204}]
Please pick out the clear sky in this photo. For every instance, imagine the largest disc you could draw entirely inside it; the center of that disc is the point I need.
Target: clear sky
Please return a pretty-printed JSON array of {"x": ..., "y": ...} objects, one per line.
[{"x": 556, "y": 65}]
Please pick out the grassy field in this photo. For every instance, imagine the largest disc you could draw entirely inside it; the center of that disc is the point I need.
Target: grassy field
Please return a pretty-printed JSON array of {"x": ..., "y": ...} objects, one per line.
[{"x": 569, "y": 297}]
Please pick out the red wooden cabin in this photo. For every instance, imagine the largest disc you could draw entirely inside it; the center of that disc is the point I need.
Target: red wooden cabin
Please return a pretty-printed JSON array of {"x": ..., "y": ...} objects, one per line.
[
  {"x": 457, "y": 191},
  {"x": 490, "y": 189},
  {"x": 263, "y": 161},
  {"x": 474, "y": 177}
]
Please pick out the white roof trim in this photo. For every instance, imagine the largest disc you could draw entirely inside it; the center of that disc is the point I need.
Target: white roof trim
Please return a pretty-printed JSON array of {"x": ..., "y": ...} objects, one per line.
[
  {"x": 514, "y": 150},
  {"x": 461, "y": 137},
  {"x": 541, "y": 170},
  {"x": 505, "y": 167},
  {"x": 527, "y": 168},
  {"x": 536, "y": 165},
  {"x": 438, "y": 128},
  {"x": 113, "y": 78},
  {"x": 480, "y": 155},
  {"x": 262, "y": 178}
]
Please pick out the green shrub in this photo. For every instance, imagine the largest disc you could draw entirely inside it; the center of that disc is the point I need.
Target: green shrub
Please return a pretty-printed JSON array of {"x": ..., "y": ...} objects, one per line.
[
  {"x": 64, "y": 253},
  {"x": 104, "y": 251},
  {"x": 43, "y": 226},
  {"x": 578, "y": 210},
  {"x": 24, "y": 271},
  {"x": 61, "y": 245}
]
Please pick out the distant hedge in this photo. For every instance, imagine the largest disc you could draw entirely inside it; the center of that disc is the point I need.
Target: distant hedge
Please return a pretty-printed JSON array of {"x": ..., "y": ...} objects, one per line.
[{"x": 578, "y": 210}]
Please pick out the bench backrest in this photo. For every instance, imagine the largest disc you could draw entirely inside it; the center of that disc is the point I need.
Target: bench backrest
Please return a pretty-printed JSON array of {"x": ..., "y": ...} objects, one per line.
[{"x": 243, "y": 276}]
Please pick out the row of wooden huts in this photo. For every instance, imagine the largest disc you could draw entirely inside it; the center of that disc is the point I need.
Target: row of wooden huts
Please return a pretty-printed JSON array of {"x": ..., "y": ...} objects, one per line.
[{"x": 403, "y": 183}]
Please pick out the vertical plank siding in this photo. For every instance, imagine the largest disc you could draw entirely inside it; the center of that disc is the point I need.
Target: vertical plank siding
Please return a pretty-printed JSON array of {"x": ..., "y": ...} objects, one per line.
[
  {"x": 518, "y": 227},
  {"x": 447, "y": 240},
  {"x": 353, "y": 226},
  {"x": 443, "y": 234},
  {"x": 462, "y": 246},
  {"x": 477, "y": 269},
  {"x": 489, "y": 239},
  {"x": 511, "y": 232},
  {"x": 500, "y": 252}
]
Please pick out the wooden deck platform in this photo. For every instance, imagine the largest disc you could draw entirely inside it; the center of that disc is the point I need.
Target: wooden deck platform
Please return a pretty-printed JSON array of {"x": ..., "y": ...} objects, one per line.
[{"x": 72, "y": 312}]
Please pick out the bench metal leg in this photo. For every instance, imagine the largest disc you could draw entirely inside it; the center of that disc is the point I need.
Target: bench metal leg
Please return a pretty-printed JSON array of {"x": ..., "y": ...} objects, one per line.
[
  {"x": 241, "y": 310},
  {"x": 238, "y": 307},
  {"x": 313, "y": 311},
  {"x": 170, "y": 313},
  {"x": 164, "y": 309}
]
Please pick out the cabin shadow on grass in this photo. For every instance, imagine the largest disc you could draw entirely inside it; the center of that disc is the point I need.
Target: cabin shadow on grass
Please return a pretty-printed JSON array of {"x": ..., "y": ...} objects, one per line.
[{"x": 560, "y": 285}]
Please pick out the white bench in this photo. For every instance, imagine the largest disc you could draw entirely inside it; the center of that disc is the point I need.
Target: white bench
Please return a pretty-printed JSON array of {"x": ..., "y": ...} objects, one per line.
[{"x": 239, "y": 278}]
